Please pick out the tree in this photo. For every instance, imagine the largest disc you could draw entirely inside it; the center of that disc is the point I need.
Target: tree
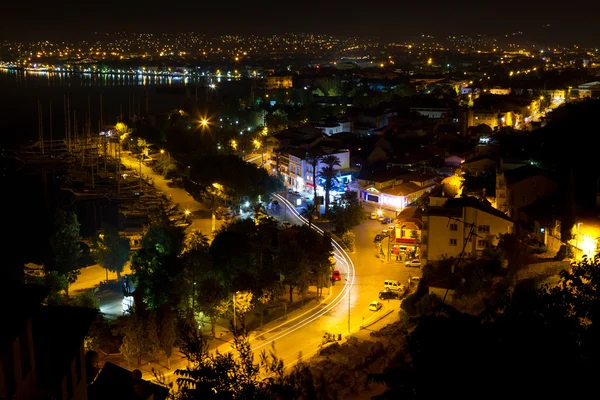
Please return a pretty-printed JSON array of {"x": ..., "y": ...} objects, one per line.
[
  {"x": 293, "y": 265},
  {"x": 152, "y": 340},
  {"x": 167, "y": 333},
  {"x": 157, "y": 266},
  {"x": 329, "y": 174},
  {"x": 88, "y": 300},
  {"x": 349, "y": 239},
  {"x": 111, "y": 251},
  {"x": 266, "y": 297},
  {"x": 243, "y": 302},
  {"x": 313, "y": 157},
  {"x": 347, "y": 212},
  {"x": 212, "y": 299},
  {"x": 132, "y": 346},
  {"x": 64, "y": 248},
  {"x": 309, "y": 213}
]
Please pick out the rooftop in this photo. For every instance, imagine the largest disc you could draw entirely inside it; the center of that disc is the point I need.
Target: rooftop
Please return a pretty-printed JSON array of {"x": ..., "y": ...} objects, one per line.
[
  {"x": 521, "y": 173},
  {"x": 404, "y": 189},
  {"x": 116, "y": 383},
  {"x": 454, "y": 207},
  {"x": 382, "y": 175}
]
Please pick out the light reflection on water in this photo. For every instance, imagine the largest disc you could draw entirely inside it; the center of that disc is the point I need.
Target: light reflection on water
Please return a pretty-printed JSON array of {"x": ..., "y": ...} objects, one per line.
[{"x": 86, "y": 79}]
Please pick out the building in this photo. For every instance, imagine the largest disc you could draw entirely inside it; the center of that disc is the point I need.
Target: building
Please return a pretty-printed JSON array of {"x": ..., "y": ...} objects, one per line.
[
  {"x": 279, "y": 81},
  {"x": 365, "y": 122},
  {"x": 590, "y": 89},
  {"x": 500, "y": 91},
  {"x": 395, "y": 188},
  {"x": 431, "y": 112},
  {"x": 521, "y": 187},
  {"x": 447, "y": 223},
  {"x": 332, "y": 127},
  {"x": 42, "y": 352},
  {"x": 116, "y": 383}
]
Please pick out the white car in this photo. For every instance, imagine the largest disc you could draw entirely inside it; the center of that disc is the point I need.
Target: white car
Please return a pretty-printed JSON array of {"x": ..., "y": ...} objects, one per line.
[
  {"x": 375, "y": 305},
  {"x": 415, "y": 262},
  {"x": 374, "y": 215}
]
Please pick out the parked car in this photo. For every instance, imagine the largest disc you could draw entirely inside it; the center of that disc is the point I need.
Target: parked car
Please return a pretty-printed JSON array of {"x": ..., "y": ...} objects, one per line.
[
  {"x": 393, "y": 285},
  {"x": 290, "y": 191},
  {"x": 375, "y": 305},
  {"x": 388, "y": 295},
  {"x": 386, "y": 220},
  {"x": 378, "y": 238},
  {"x": 336, "y": 276},
  {"x": 415, "y": 262},
  {"x": 380, "y": 218},
  {"x": 385, "y": 233},
  {"x": 297, "y": 193},
  {"x": 373, "y": 215}
]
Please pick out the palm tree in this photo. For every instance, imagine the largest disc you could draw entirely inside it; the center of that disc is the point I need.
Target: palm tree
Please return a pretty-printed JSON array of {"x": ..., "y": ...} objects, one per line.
[
  {"x": 313, "y": 159},
  {"x": 329, "y": 173},
  {"x": 309, "y": 213}
]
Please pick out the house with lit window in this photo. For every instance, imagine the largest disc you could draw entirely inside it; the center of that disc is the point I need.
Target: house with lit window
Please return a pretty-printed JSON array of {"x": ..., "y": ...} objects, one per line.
[
  {"x": 394, "y": 189},
  {"x": 457, "y": 225}
]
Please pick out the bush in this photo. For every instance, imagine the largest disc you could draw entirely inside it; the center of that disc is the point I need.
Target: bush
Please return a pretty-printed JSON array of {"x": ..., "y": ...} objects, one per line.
[
  {"x": 539, "y": 250},
  {"x": 564, "y": 252},
  {"x": 409, "y": 304},
  {"x": 427, "y": 304},
  {"x": 349, "y": 238}
]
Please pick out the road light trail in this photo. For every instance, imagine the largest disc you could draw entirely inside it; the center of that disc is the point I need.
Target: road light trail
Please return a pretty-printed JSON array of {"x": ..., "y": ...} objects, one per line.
[{"x": 342, "y": 256}]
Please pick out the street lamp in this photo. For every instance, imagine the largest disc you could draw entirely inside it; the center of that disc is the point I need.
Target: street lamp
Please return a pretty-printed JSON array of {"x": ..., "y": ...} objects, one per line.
[{"x": 349, "y": 287}]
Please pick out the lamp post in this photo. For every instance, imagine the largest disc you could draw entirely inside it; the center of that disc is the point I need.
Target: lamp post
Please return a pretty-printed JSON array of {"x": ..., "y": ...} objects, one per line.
[{"x": 349, "y": 287}]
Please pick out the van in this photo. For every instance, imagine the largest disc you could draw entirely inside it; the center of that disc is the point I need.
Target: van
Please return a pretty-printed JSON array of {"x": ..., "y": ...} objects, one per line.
[{"x": 392, "y": 285}]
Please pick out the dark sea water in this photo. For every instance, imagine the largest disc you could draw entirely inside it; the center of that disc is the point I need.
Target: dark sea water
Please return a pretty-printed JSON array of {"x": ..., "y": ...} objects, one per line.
[{"x": 20, "y": 92}]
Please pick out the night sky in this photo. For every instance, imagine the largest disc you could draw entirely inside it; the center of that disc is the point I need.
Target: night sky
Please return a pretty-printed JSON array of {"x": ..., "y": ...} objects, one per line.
[{"x": 573, "y": 21}]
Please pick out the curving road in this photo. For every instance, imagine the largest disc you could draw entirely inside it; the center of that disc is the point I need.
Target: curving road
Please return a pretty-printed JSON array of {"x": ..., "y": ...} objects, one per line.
[{"x": 301, "y": 337}]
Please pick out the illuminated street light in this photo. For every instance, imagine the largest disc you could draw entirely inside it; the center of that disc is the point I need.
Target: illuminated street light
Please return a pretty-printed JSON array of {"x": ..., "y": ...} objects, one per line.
[
  {"x": 162, "y": 151},
  {"x": 256, "y": 143},
  {"x": 233, "y": 144},
  {"x": 187, "y": 213},
  {"x": 379, "y": 212},
  {"x": 204, "y": 122}
]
